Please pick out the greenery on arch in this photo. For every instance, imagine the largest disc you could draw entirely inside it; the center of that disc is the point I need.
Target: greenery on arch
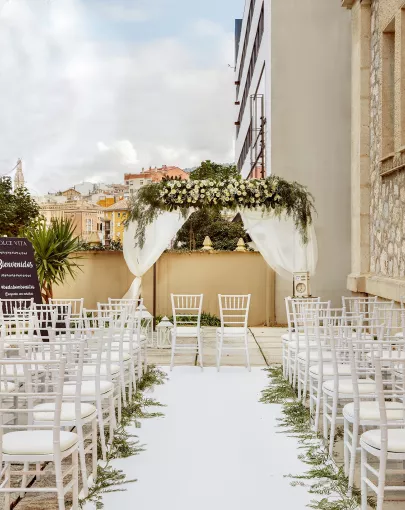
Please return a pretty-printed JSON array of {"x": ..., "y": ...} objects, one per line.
[{"x": 233, "y": 193}]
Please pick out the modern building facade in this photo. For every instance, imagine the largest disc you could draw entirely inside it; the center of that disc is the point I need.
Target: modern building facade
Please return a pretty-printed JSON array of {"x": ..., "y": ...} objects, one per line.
[
  {"x": 378, "y": 147},
  {"x": 292, "y": 116}
]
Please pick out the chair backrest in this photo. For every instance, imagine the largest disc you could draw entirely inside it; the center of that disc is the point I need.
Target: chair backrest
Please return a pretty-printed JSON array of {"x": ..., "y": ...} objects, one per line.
[
  {"x": 234, "y": 310},
  {"x": 7, "y": 306},
  {"x": 27, "y": 383},
  {"x": 359, "y": 305},
  {"x": 76, "y": 305},
  {"x": 289, "y": 309},
  {"x": 187, "y": 309},
  {"x": 390, "y": 387}
]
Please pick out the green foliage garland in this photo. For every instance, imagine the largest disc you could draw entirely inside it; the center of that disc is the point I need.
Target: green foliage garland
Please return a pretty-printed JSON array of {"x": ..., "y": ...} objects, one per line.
[
  {"x": 272, "y": 193},
  {"x": 324, "y": 478},
  {"x": 110, "y": 479}
]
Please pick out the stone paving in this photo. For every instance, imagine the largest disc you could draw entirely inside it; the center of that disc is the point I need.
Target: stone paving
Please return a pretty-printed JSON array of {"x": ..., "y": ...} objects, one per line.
[{"x": 264, "y": 348}]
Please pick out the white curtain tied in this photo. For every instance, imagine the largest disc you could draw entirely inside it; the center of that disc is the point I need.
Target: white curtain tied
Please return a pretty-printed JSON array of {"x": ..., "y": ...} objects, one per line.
[
  {"x": 280, "y": 243},
  {"x": 157, "y": 238}
]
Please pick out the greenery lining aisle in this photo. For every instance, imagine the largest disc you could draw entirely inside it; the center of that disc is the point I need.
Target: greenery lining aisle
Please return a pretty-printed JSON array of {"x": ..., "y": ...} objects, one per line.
[
  {"x": 324, "y": 478},
  {"x": 110, "y": 479}
]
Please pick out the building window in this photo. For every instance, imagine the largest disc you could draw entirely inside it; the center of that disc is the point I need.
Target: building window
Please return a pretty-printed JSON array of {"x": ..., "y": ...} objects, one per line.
[
  {"x": 89, "y": 225},
  {"x": 246, "y": 41},
  {"x": 119, "y": 215},
  {"x": 118, "y": 224},
  {"x": 388, "y": 89},
  {"x": 252, "y": 65},
  {"x": 141, "y": 182},
  {"x": 245, "y": 149}
]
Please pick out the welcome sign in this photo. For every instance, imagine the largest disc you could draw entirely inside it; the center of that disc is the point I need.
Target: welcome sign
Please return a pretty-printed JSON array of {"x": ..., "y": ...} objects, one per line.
[{"x": 18, "y": 273}]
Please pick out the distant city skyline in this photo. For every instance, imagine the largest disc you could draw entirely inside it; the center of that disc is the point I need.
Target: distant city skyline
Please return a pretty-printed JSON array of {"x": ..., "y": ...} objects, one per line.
[{"x": 92, "y": 89}]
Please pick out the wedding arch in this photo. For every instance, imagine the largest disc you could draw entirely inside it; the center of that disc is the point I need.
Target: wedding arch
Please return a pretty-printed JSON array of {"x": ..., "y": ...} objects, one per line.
[{"x": 277, "y": 214}]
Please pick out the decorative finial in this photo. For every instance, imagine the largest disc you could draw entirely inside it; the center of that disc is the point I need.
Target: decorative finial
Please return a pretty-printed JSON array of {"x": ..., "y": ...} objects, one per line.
[
  {"x": 207, "y": 244},
  {"x": 241, "y": 245}
]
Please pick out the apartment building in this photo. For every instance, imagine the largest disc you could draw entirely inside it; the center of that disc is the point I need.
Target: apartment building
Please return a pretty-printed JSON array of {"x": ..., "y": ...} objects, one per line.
[
  {"x": 136, "y": 181},
  {"x": 292, "y": 117}
]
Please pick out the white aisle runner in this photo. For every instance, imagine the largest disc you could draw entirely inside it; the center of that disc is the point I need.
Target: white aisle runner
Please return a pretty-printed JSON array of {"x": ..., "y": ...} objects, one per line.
[{"x": 217, "y": 448}]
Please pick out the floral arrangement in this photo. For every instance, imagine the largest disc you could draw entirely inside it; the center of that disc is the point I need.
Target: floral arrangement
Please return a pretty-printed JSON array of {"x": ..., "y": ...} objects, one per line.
[{"x": 272, "y": 193}]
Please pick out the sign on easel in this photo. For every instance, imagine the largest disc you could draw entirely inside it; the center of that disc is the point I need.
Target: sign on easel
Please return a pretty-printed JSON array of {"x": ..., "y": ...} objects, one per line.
[{"x": 18, "y": 272}]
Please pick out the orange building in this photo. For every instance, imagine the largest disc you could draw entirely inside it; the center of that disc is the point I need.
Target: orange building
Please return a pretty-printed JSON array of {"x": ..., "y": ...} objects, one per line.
[{"x": 136, "y": 181}]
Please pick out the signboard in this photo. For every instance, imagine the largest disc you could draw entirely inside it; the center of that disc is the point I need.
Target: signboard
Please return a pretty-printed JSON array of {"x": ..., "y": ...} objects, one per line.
[{"x": 18, "y": 273}]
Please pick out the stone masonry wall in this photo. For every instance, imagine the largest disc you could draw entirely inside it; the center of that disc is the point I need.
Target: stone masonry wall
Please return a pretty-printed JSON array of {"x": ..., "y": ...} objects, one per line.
[{"x": 387, "y": 204}]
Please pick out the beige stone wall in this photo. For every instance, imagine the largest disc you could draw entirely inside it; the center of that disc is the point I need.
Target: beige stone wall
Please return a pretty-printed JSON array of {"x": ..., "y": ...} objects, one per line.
[
  {"x": 387, "y": 209},
  {"x": 105, "y": 274}
]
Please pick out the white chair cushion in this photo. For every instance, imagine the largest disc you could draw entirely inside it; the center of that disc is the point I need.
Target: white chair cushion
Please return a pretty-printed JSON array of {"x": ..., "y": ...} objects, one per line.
[
  {"x": 126, "y": 346},
  {"x": 329, "y": 371},
  {"x": 88, "y": 388},
  {"x": 370, "y": 411},
  {"x": 92, "y": 369},
  {"x": 7, "y": 388},
  {"x": 115, "y": 356},
  {"x": 36, "y": 442},
  {"x": 314, "y": 355},
  {"x": 388, "y": 354},
  {"x": 232, "y": 331},
  {"x": 68, "y": 411},
  {"x": 186, "y": 331},
  {"x": 396, "y": 439},
  {"x": 346, "y": 386}
]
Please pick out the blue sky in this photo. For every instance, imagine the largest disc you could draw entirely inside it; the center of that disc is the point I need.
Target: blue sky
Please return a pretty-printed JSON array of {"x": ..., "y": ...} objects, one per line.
[
  {"x": 92, "y": 89},
  {"x": 138, "y": 20}
]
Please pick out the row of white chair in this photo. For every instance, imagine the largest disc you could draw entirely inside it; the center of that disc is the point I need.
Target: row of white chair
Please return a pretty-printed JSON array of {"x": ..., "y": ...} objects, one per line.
[
  {"x": 57, "y": 382},
  {"x": 234, "y": 313},
  {"x": 349, "y": 357}
]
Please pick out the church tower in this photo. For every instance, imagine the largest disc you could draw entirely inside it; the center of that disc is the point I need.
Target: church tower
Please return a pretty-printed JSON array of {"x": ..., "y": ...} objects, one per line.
[{"x": 19, "y": 180}]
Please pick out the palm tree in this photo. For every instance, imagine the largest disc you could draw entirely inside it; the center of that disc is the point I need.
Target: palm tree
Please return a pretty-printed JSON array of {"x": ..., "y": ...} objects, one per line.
[{"x": 53, "y": 245}]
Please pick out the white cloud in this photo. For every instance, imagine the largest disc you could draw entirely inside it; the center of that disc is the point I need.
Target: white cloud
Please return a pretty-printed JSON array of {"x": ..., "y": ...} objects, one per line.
[{"x": 76, "y": 108}]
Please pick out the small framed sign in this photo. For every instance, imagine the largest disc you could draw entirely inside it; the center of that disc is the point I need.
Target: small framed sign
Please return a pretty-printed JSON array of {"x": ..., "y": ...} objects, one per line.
[{"x": 18, "y": 272}]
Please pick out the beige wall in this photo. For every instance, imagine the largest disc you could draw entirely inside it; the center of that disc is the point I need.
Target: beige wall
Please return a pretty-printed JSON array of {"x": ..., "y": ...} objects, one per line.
[
  {"x": 310, "y": 126},
  {"x": 105, "y": 274}
]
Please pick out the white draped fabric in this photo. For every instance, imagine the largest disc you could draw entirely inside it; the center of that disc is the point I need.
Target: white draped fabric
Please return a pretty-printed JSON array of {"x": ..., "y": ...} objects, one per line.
[
  {"x": 280, "y": 243},
  {"x": 157, "y": 238},
  {"x": 276, "y": 238}
]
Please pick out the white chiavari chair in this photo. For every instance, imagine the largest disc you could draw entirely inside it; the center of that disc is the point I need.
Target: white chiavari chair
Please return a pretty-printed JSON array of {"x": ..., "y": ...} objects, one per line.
[
  {"x": 339, "y": 389},
  {"x": 24, "y": 442},
  {"x": 321, "y": 368},
  {"x": 234, "y": 315},
  {"x": 289, "y": 337},
  {"x": 127, "y": 341},
  {"x": 303, "y": 353},
  {"x": 187, "y": 310},
  {"x": 136, "y": 307},
  {"x": 363, "y": 411},
  {"x": 9, "y": 306},
  {"x": 387, "y": 443},
  {"x": 72, "y": 350},
  {"x": 76, "y": 306}
]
